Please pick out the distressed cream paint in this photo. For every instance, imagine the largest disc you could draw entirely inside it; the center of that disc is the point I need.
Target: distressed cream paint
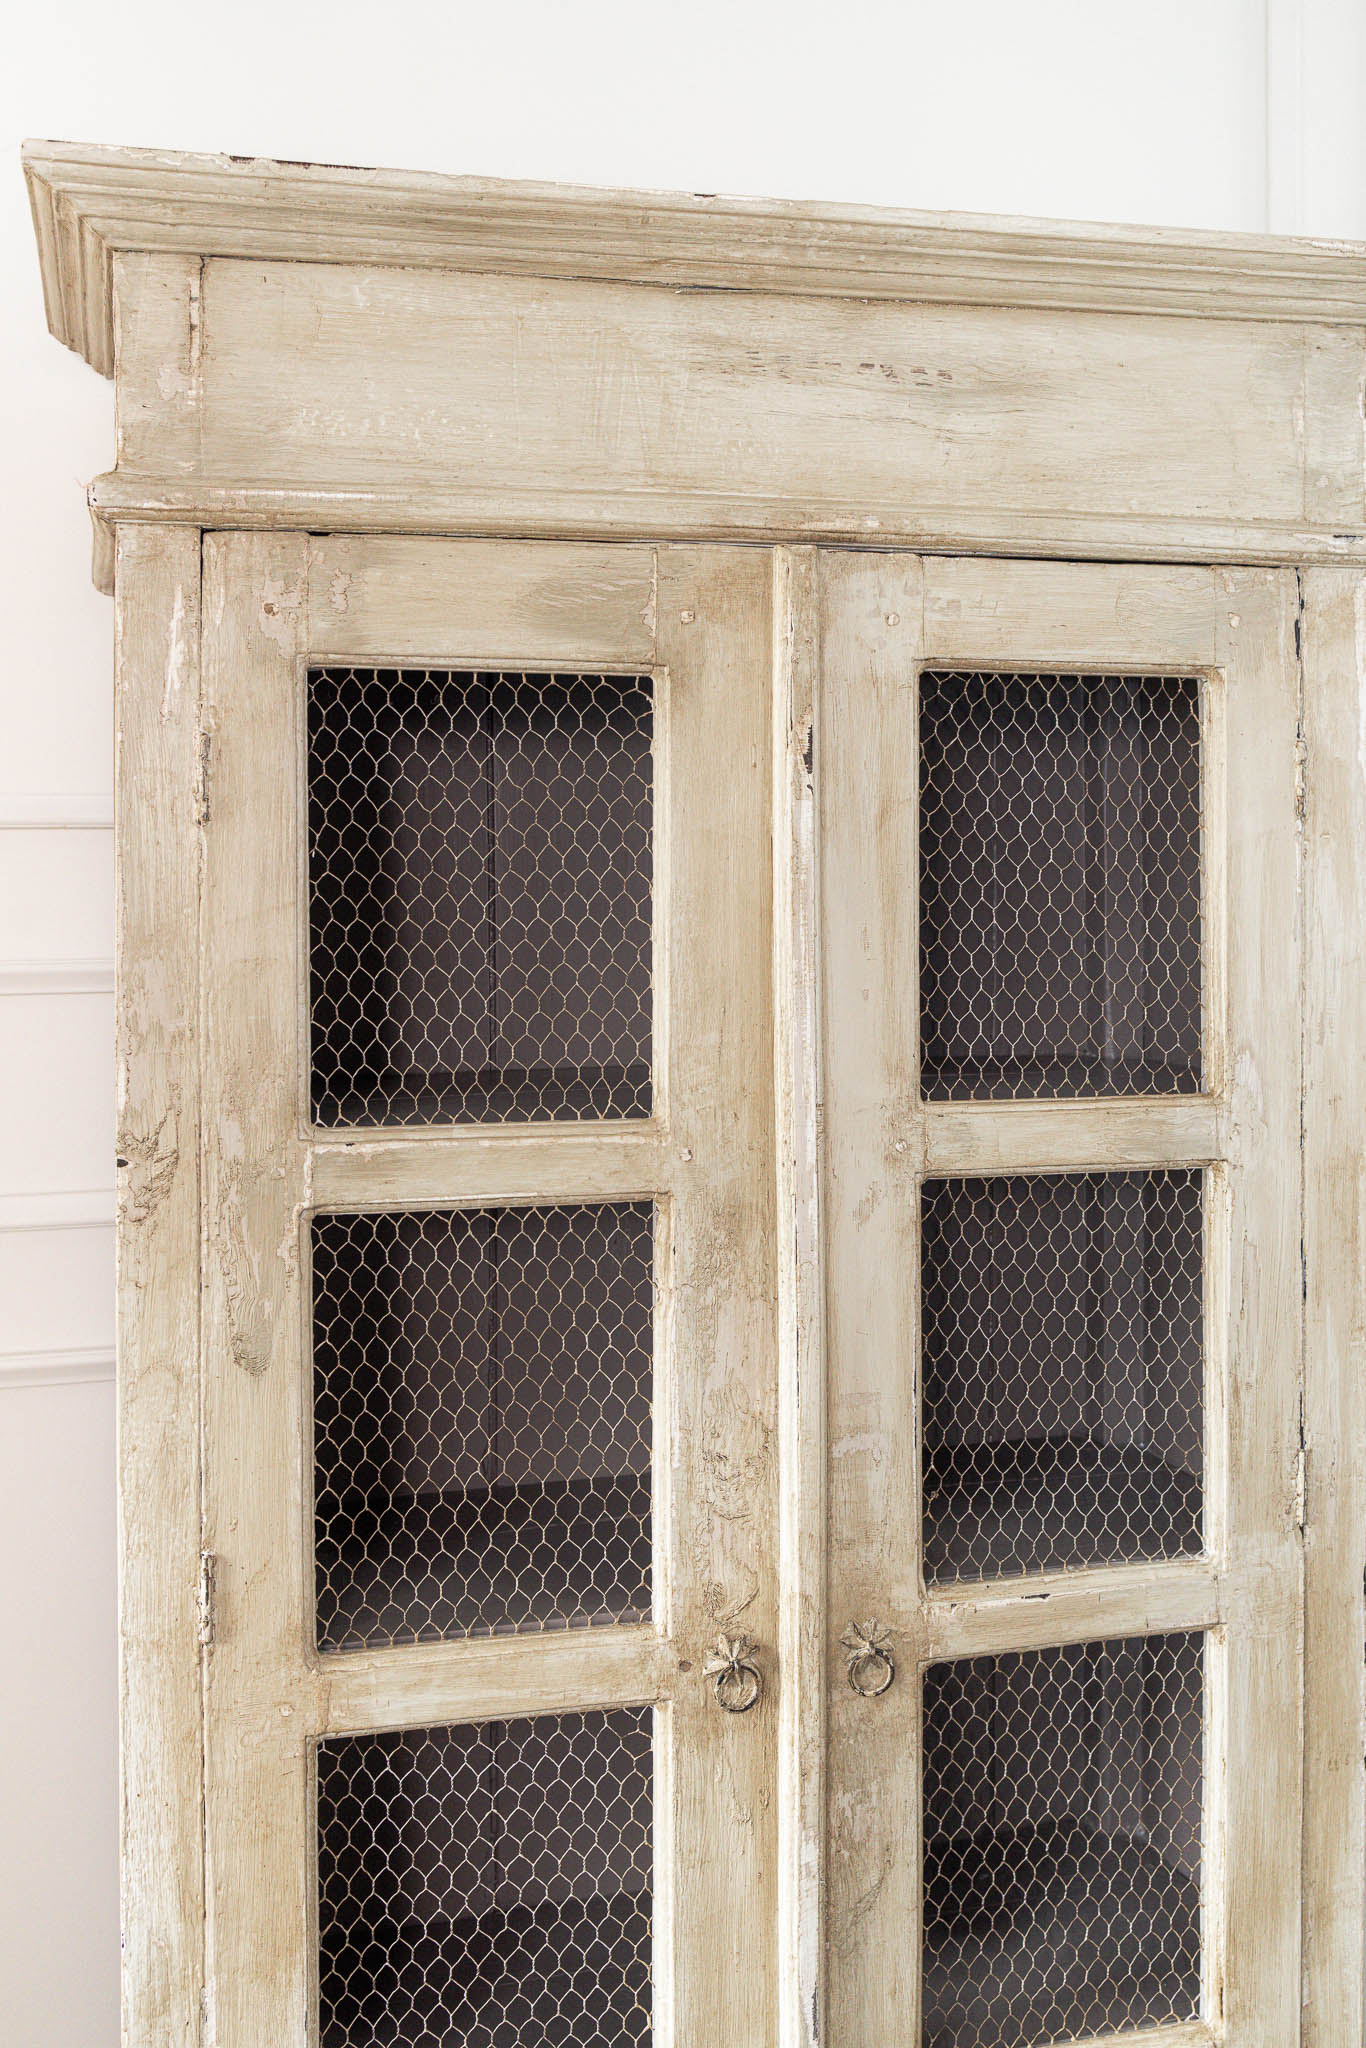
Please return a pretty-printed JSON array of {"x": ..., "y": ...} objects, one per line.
[{"x": 781, "y": 457}]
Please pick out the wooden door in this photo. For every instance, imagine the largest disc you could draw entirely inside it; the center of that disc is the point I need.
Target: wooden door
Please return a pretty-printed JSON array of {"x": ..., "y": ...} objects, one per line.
[
  {"x": 489, "y": 1293},
  {"x": 1058, "y": 848}
]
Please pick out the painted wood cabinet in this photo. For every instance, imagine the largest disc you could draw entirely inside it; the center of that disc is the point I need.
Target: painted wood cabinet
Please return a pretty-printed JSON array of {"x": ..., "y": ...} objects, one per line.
[{"x": 742, "y": 1398}]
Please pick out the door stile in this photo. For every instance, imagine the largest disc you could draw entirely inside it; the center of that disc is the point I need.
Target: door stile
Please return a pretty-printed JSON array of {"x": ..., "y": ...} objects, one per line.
[
  {"x": 870, "y": 643},
  {"x": 715, "y": 644},
  {"x": 259, "y": 1726},
  {"x": 1262, "y": 1364},
  {"x": 801, "y": 1329}
]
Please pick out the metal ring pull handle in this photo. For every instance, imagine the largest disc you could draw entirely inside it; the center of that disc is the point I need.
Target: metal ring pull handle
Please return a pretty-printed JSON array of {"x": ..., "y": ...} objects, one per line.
[
  {"x": 738, "y": 1679},
  {"x": 870, "y": 1663}
]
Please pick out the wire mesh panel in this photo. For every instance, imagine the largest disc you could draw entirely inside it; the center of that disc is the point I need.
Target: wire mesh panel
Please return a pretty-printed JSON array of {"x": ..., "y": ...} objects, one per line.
[
  {"x": 482, "y": 1383},
  {"x": 480, "y": 895},
  {"x": 1062, "y": 1371},
  {"x": 1060, "y": 885},
  {"x": 489, "y": 1886},
  {"x": 1063, "y": 1803}
]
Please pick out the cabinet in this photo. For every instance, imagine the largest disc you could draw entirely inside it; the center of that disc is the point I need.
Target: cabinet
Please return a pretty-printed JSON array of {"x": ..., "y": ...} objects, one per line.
[{"x": 740, "y": 1235}]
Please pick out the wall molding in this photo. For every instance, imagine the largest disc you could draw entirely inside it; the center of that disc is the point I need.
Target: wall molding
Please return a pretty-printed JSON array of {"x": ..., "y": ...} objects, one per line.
[
  {"x": 90, "y": 1366},
  {"x": 58, "y": 1209},
  {"x": 56, "y": 977},
  {"x": 56, "y": 811}
]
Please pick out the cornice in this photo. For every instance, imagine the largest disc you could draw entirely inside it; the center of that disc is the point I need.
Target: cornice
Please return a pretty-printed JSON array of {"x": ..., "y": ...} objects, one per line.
[{"x": 90, "y": 201}]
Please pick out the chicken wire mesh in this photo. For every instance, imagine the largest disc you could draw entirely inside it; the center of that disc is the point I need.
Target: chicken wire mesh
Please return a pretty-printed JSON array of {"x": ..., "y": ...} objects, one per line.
[
  {"x": 1060, "y": 885},
  {"x": 1062, "y": 1371},
  {"x": 482, "y": 1393},
  {"x": 487, "y": 1886},
  {"x": 480, "y": 895},
  {"x": 1063, "y": 1802}
]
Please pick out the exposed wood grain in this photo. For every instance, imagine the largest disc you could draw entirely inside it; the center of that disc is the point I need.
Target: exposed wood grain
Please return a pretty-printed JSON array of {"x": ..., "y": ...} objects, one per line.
[
  {"x": 1071, "y": 1607},
  {"x": 870, "y": 644},
  {"x": 1334, "y": 472},
  {"x": 715, "y": 627},
  {"x": 563, "y": 1165},
  {"x": 1022, "y": 615},
  {"x": 1257, "y": 1667},
  {"x": 159, "y": 331},
  {"x": 478, "y": 1681},
  {"x": 416, "y": 600},
  {"x": 1029, "y": 1137},
  {"x": 1335, "y": 1306},
  {"x": 257, "y": 1699},
  {"x": 157, "y": 686}
]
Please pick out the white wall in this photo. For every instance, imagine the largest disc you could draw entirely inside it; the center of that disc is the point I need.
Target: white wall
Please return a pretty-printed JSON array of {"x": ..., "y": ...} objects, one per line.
[{"x": 1214, "y": 113}]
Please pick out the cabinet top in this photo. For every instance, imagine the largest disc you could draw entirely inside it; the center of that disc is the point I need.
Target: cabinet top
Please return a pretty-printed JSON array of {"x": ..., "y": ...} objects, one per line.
[{"x": 90, "y": 201}]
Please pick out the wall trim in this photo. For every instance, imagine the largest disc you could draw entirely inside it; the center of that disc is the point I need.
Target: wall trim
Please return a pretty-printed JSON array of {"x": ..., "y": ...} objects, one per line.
[
  {"x": 55, "y": 811},
  {"x": 56, "y": 977},
  {"x": 90, "y": 1366},
  {"x": 58, "y": 1209}
]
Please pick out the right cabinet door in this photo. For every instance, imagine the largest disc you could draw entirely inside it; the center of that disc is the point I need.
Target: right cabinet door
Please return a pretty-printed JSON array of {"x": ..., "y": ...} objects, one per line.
[{"x": 1061, "y": 1172}]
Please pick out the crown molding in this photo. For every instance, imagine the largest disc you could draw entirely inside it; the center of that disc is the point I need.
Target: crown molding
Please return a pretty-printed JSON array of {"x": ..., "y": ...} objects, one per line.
[{"x": 89, "y": 202}]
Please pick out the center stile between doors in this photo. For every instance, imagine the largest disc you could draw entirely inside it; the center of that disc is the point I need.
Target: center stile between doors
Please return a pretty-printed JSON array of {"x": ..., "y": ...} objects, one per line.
[{"x": 750, "y": 1421}]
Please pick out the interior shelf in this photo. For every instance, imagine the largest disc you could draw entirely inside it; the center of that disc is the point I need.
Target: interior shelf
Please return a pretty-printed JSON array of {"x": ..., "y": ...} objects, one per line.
[
  {"x": 431, "y": 1095},
  {"x": 1055, "y": 1932},
  {"x": 1002, "y": 1510},
  {"x": 492, "y": 1561},
  {"x": 573, "y": 1973}
]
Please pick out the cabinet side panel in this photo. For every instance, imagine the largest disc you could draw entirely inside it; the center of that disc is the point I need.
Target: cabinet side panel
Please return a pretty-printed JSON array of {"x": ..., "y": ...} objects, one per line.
[
  {"x": 157, "y": 836},
  {"x": 1335, "y": 1305}
]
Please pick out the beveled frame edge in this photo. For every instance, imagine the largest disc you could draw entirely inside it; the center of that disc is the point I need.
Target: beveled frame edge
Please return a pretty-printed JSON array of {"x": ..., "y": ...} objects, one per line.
[{"x": 89, "y": 200}]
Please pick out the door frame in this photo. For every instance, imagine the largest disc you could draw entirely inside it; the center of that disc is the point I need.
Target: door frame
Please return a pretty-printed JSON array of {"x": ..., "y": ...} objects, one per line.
[{"x": 882, "y": 619}]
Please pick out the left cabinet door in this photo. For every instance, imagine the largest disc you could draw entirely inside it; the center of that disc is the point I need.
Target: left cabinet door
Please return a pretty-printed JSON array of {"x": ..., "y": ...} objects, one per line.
[{"x": 488, "y": 1364}]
